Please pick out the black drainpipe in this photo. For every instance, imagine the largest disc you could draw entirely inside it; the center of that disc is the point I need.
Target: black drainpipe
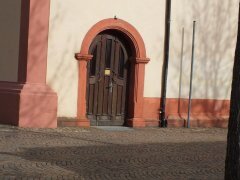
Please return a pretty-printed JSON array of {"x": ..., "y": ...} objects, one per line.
[{"x": 163, "y": 119}]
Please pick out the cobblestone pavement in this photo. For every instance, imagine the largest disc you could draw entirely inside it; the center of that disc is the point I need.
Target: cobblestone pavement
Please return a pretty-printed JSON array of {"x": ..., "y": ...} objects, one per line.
[{"x": 75, "y": 153}]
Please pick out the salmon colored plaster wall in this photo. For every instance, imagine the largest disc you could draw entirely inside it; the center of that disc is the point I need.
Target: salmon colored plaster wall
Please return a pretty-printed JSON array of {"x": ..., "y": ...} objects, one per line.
[{"x": 204, "y": 112}]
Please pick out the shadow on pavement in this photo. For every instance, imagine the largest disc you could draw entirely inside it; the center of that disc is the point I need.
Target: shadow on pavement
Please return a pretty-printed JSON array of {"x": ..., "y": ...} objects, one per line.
[{"x": 200, "y": 160}]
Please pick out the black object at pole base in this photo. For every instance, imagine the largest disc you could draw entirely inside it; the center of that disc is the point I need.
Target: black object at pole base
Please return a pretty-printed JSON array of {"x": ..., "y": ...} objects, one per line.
[
  {"x": 163, "y": 120},
  {"x": 164, "y": 123}
]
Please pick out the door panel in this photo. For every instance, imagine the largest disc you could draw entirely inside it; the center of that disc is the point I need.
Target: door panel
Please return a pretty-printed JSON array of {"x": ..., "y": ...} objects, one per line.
[{"x": 107, "y": 81}]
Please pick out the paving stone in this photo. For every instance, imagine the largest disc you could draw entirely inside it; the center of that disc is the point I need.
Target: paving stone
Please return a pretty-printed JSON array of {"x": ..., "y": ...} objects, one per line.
[{"x": 112, "y": 153}]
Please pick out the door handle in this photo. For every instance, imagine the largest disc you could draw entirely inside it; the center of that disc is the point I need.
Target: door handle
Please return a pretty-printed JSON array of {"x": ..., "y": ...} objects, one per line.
[{"x": 110, "y": 87}]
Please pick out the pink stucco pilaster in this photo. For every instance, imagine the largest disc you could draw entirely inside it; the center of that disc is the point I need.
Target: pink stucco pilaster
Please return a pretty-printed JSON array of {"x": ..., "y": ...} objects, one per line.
[
  {"x": 34, "y": 41},
  {"x": 30, "y": 102},
  {"x": 38, "y": 41}
]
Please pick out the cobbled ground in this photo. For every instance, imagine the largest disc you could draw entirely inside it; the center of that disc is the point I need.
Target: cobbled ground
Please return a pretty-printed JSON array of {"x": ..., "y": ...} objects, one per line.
[{"x": 112, "y": 153}]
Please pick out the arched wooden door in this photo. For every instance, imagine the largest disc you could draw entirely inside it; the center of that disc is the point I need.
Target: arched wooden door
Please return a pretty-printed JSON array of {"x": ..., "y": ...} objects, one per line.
[{"x": 107, "y": 81}]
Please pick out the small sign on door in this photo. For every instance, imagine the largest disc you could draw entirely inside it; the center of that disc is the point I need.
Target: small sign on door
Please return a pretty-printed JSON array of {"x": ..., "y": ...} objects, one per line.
[{"x": 107, "y": 72}]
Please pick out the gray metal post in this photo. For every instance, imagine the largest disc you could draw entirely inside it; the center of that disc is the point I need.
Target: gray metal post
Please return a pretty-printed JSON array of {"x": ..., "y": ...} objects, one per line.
[
  {"x": 191, "y": 76},
  {"x": 180, "y": 77}
]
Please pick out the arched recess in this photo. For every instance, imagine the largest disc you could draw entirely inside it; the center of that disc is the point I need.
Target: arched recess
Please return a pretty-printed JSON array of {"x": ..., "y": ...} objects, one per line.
[{"x": 135, "y": 116}]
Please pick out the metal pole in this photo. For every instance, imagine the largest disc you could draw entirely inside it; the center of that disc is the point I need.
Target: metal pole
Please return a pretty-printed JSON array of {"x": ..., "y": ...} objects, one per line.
[
  {"x": 163, "y": 119},
  {"x": 191, "y": 75},
  {"x": 180, "y": 77}
]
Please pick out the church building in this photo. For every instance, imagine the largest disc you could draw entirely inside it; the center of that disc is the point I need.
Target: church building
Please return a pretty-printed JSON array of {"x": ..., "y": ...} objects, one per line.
[{"x": 116, "y": 62}]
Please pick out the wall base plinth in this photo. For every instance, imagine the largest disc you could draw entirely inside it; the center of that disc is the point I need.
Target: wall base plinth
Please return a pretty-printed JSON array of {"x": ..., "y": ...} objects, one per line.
[
  {"x": 73, "y": 122},
  {"x": 203, "y": 121},
  {"x": 28, "y": 105},
  {"x": 83, "y": 122},
  {"x": 152, "y": 123},
  {"x": 136, "y": 123}
]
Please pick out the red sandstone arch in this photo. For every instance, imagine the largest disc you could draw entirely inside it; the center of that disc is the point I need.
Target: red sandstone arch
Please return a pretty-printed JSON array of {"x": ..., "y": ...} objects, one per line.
[
  {"x": 135, "y": 118},
  {"x": 115, "y": 24}
]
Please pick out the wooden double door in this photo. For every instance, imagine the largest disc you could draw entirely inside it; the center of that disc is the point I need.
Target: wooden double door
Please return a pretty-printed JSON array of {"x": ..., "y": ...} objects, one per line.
[{"x": 107, "y": 81}]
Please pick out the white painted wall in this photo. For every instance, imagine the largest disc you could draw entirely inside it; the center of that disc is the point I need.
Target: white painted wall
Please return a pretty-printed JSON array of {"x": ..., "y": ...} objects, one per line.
[
  {"x": 215, "y": 44},
  {"x": 216, "y": 29},
  {"x": 9, "y": 39},
  {"x": 69, "y": 22}
]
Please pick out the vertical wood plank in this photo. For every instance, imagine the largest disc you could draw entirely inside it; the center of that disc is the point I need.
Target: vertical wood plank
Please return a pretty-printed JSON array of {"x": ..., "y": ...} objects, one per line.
[
  {"x": 101, "y": 74},
  {"x": 111, "y": 77},
  {"x": 106, "y": 95},
  {"x": 96, "y": 87},
  {"x": 115, "y": 86},
  {"x": 119, "y": 100},
  {"x": 90, "y": 99},
  {"x": 124, "y": 91}
]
